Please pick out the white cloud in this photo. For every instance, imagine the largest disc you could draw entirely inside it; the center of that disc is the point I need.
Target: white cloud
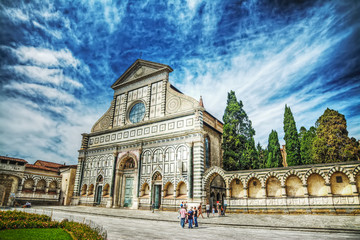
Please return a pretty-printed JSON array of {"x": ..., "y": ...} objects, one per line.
[
  {"x": 46, "y": 57},
  {"x": 40, "y": 91},
  {"x": 45, "y": 75},
  {"x": 15, "y": 14},
  {"x": 55, "y": 33},
  {"x": 34, "y": 134}
]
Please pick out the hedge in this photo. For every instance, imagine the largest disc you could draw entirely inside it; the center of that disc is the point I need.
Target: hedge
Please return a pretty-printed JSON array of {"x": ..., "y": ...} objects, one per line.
[{"x": 18, "y": 220}]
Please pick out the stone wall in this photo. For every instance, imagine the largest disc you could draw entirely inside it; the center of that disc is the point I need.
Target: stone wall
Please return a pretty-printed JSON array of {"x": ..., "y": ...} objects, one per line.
[
  {"x": 215, "y": 146},
  {"x": 322, "y": 188}
]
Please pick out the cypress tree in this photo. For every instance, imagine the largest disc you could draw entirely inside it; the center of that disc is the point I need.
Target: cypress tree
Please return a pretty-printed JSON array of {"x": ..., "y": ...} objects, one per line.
[
  {"x": 291, "y": 138},
  {"x": 307, "y": 138},
  {"x": 237, "y": 136},
  {"x": 262, "y": 155},
  {"x": 332, "y": 143},
  {"x": 251, "y": 154},
  {"x": 274, "y": 158}
]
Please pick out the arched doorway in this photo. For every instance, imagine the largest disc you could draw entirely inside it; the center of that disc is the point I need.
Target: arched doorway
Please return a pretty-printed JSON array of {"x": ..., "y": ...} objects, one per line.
[
  {"x": 217, "y": 190},
  {"x": 98, "y": 192},
  {"x": 125, "y": 182},
  {"x": 157, "y": 183}
]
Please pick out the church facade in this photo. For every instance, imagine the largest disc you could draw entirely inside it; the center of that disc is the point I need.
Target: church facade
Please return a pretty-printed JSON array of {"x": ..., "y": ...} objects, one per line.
[
  {"x": 151, "y": 148},
  {"x": 157, "y": 147}
]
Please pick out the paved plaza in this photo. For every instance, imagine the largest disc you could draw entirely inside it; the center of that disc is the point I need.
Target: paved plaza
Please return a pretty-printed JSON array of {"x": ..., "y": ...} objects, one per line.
[{"x": 142, "y": 224}]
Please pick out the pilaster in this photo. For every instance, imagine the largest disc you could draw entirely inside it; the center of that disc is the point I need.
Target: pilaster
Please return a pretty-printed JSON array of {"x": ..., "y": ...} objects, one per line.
[
  {"x": 198, "y": 168},
  {"x": 77, "y": 177},
  {"x": 148, "y": 102},
  {"x": 305, "y": 187},
  {"x": 163, "y": 97},
  {"x": 283, "y": 191},
  {"x": 354, "y": 188},
  {"x": 263, "y": 191},
  {"x": 245, "y": 192},
  {"x": 124, "y": 104},
  {"x": 328, "y": 188}
]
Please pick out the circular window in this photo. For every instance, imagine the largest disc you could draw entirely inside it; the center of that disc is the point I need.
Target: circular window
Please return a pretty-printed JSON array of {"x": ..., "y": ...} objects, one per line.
[{"x": 137, "y": 112}]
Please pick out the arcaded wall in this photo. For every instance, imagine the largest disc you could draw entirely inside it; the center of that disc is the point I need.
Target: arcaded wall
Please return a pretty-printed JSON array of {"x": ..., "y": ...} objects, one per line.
[{"x": 319, "y": 188}]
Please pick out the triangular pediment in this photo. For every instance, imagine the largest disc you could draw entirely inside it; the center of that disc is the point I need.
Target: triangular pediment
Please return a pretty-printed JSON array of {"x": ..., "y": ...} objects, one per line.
[{"x": 139, "y": 70}]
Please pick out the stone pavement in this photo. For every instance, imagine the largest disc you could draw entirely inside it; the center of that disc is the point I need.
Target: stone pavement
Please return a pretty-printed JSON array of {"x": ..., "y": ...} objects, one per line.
[{"x": 314, "y": 223}]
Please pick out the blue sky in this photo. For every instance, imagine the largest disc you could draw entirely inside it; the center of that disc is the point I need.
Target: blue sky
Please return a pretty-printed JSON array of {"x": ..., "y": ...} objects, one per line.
[{"x": 59, "y": 59}]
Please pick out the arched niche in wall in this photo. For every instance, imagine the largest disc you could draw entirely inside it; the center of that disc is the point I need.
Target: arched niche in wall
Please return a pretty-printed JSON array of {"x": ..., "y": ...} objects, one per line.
[
  {"x": 181, "y": 190},
  {"x": 169, "y": 190},
  {"x": 254, "y": 188},
  {"x": 273, "y": 187},
  {"x": 294, "y": 186},
  {"x": 340, "y": 184},
  {"x": 316, "y": 185},
  {"x": 236, "y": 188}
]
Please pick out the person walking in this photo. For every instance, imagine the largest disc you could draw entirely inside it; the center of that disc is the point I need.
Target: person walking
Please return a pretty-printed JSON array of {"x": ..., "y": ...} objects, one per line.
[
  {"x": 190, "y": 217},
  {"x": 213, "y": 211},
  {"x": 196, "y": 217},
  {"x": 208, "y": 209},
  {"x": 200, "y": 211}
]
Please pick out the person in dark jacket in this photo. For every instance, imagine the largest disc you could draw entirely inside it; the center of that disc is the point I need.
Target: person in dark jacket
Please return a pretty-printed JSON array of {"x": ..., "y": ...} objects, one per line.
[
  {"x": 196, "y": 217},
  {"x": 190, "y": 215}
]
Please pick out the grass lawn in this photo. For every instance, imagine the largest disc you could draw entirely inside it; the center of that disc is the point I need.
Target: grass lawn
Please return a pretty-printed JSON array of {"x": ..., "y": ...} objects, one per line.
[{"x": 35, "y": 234}]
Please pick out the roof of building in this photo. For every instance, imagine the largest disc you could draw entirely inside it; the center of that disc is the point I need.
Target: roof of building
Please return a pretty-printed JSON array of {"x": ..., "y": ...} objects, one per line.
[
  {"x": 41, "y": 167},
  {"x": 70, "y": 166},
  {"x": 13, "y": 159},
  {"x": 48, "y": 164}
]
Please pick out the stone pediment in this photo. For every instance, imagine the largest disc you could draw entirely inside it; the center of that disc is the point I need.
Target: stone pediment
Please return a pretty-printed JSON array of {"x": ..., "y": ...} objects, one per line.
[{"x": 138, "y": 70}]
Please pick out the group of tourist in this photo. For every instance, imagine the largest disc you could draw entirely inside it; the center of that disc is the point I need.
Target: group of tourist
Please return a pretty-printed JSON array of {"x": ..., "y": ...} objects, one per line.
[{"x": 191, "y": 216}]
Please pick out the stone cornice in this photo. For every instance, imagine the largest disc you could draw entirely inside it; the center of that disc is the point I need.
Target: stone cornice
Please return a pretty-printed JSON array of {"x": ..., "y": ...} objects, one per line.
[
  {"x": 149, "y": 141},
  {"x": 126, "y": 127}
]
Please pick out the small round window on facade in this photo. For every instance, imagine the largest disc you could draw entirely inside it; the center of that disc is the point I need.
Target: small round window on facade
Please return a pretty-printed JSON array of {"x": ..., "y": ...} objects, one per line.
[{"x": 137, "y": 112}]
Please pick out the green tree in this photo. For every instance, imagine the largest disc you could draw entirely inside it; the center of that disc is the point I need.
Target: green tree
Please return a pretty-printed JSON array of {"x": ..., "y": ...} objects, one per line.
[
  {"x": 237, "y": 133},
  {"x": 332, "y": 143},
  {"x": 291, "y": 138},
  {"x": 251, "y": 154},
  {"x": 262, "y": 155},
  {"x": 274, "y": 158},
  {"x": 307, "y": 138}
]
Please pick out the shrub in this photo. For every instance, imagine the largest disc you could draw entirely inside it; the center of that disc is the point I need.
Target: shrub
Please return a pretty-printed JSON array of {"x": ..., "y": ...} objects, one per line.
[
  {"x": 19, "y": 220},
  {"x": 81, "y": 231}
]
